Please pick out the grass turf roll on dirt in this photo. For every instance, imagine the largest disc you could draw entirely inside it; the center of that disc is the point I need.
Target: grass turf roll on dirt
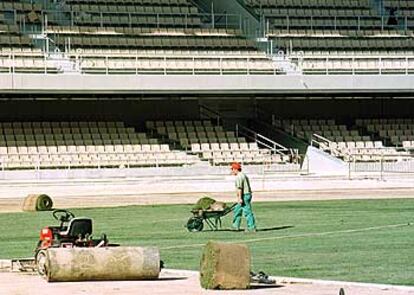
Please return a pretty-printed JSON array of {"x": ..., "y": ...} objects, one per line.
[
  {"x": 37, "y": 202},
  {"x": 225, "y": 266},
  {"x": 101, "y": 264}
]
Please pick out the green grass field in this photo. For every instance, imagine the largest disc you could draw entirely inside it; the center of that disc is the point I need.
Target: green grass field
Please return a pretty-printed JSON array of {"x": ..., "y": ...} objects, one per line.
[{"x": 350, "y": 240}]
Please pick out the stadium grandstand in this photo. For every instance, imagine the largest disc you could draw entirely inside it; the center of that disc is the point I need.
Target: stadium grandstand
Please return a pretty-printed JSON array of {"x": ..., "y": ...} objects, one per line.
[{"x": 178, "y": 83}]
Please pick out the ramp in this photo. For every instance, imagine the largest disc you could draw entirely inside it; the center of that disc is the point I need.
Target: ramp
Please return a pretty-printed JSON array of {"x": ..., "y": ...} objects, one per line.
[{"x": 319, "y": 162}]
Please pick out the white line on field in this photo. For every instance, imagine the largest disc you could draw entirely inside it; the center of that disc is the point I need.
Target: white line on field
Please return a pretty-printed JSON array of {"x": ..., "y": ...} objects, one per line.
[{"x": 298, "y": 236}]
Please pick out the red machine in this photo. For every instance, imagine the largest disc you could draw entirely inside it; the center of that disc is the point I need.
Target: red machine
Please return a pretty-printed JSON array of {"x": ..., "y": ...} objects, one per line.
[{"x": 72, "y": 232}]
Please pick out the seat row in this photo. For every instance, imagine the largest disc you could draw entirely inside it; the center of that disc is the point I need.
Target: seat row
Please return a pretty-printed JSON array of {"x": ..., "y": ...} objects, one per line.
[
  {"x": 157, "y": 53},
  {"x": 133, "y": 2},
  {"x": 172, "y": 65},
  {"x": 357, "y": 144},
  {"x": 63, "y": 124},
  {"x": 384, "y": 121},
  {"x": 134, "y": 20},
  {"x": 387, "y": 132},
  {"x": 157, "y": 42},
  {"x": 137, "y": 31},
  {"x": 397, "y": 140},
  {"x": 335, "y": 29},
  {"x": 180, "y": 123},
  {"x": 246, "y": 157},
  {"x": 318, "y": 12},
  {"x": 91, "y": 159},
  {"x": 19, "y": 6},
  {"x": 400, "y": 4},
  {"x": 132, "y": 9},
  {"x": 233, "y": 146},
  {"x": 326, "y": 133},
  {"x": 14, "y": 40},
  {"x": 83, "y": 149},
  {"x": 329, "y": 43},
  {"x": 369, "y": 151},
  {"x": 308, "y": 3},
  {"x": 359, "y": 65},
  {"x": 319, "y": 127}
]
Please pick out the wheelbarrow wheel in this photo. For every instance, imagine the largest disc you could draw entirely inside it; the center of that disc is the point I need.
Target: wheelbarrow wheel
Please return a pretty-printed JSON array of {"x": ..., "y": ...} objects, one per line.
[{"x": 195, "y": 224}]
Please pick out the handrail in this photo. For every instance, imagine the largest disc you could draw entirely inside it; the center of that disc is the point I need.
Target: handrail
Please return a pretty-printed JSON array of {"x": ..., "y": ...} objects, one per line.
[
  {"x": 263, "y": 140},
  {"x": 321, "y": 142},
  {"x": 356, "y": 64},
  {"x": 163, "y": 65},
  {"x": 167, "y": 64},
  {"x": 210, "y": 114}
]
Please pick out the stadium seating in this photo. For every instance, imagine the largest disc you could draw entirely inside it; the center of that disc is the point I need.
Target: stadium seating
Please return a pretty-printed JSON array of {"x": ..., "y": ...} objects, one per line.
[
  {"x": 340, "y": 141},
  {"x": 128, "y": 37},
  {"x": 397, "y": 132},
  {"x": 341, "y": 37},
  {"x": 214, "y": 143},
  {"x": 25, "y": 60},
  {"x": 401, "y": 8},
  {"x": 81, "y": 145},
  {"x": 176, "y": 37}
]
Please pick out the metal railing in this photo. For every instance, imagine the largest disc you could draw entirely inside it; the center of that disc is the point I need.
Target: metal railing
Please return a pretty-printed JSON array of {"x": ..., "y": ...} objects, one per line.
[
  {"x": 352, "y": 65},
  {"x": 357, "y": 23},
  {"x": 69, "y": 160},
  {"x": 105, "y": 64},
  {"x": 139, "y": 64},
  {"x": 208, "y": 113},
  {"x": 266, "y": 142}
]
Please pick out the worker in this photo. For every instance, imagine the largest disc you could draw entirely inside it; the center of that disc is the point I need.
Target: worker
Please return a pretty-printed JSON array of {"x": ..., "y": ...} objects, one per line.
[{"x": 244, "y": 198}]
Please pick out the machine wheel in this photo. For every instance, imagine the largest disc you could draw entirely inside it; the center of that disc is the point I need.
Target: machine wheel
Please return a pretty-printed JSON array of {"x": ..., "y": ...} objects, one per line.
[
  {"x": 41, "y": 259},
  {"x": 195, "y": 224}
]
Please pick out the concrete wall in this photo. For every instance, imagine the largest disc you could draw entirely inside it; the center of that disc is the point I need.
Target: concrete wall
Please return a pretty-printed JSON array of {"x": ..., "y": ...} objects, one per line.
[{"x": 206, "y": 84}]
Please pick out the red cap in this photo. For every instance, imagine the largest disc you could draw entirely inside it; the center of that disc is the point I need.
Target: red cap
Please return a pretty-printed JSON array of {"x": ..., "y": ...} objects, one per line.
[{"x": 236, "y": 165}]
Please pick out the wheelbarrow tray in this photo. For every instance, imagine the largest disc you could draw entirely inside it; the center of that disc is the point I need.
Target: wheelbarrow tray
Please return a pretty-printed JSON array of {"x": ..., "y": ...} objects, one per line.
[{"x": 211, "y": 218}]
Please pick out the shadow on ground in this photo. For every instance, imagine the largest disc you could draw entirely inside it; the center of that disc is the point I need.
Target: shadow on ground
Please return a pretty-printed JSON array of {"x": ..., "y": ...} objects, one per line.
[
  {"x": 275, "y": 228},
  {"x": 172, "y": 279},
  {"x": 262, "y": 286},
  {"x": 258, "y": 230}
]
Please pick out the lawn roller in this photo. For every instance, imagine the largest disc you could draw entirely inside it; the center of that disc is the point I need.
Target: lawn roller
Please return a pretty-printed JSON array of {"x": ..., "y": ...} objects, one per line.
[
  {"x": 72, "y": 232},
  {"x": 211, "y": 217},
  {"x": 68, "y": 252}
]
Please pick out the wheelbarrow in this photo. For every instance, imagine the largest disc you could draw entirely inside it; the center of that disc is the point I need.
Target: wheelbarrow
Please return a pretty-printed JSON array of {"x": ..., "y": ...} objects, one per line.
[{"x": 211, "y": 218}]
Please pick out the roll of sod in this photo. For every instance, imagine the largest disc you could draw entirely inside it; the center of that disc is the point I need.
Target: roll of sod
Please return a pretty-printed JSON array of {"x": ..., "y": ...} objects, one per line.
[
  {"x": 204, "y": 203},
  {"x": 37, "y": 202},
  {"x": 102, "y": 264},
  {"x": 225, "y": 266}
]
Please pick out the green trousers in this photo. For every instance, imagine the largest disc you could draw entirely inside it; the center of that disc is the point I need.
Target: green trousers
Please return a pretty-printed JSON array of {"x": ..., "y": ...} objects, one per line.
[{"x": 246, "y": 209}]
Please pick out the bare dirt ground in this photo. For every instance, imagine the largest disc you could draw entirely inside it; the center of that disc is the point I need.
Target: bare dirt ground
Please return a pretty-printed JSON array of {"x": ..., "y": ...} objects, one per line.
[
  {"x": 122, "y": 199},
  {"x": 185, "y": 282}
]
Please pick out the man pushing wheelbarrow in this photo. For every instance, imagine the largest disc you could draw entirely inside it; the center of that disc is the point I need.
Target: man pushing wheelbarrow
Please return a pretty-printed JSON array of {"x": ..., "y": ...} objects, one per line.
[
  {"x": 210, "y": 212},
  {"x": 244, "y": 198}
]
